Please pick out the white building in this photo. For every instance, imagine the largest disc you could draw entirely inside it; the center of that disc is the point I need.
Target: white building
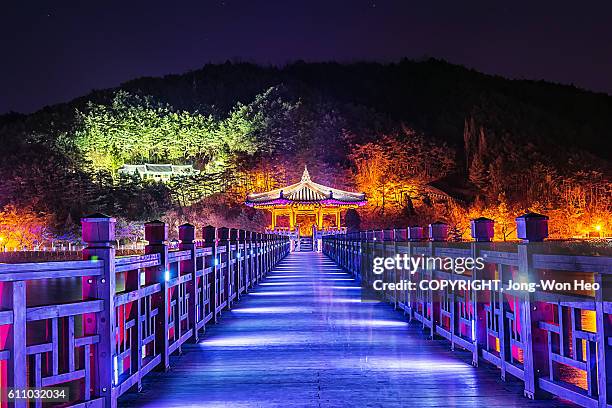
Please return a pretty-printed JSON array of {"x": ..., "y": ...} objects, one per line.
[{"x": 158, "y": 172}]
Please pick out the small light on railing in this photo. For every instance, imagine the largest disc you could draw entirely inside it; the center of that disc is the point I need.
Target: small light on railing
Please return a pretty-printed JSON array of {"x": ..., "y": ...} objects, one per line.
[
  {"x": 167, "y": 276},
  {"x": 116, "y": 370},
  {"x": 374, "y": 239},
  {"x": 473, "y": 330},
  {"x": 142, "y": 278},
  {"x": 239, "y": 255},
  {"x": 252, "y": 253},
  {"x": 216, "y": 262}
]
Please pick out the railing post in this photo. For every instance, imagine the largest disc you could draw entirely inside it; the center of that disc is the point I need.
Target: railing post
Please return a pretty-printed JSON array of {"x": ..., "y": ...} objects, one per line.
[
  {"x": 532, "y": 228},
  {"x": 398, "y": 273},
  {"x": 228, "y": 271},
  {"x": 187, "y": 243},
  {"x": 414, "y": 233},
  {"x": 258, "y": 257},
  {"x": 263, "y": 248},
  {"x": 438, "y": 232},
  {"x": 234, "y": 262},
  {"x": 210, "y": 241},
  {"x": 98, "y": 231},
  {"x": 256, "y": 245},
  {"x": 250, "y": 259},
  {"x": 345, "y": 249},
  {"x": 156, "y": 233},
  {"x": 364, "y": 257},
  {"x": 604, "y": 332},
  {"x": 482, "y": 230},
  {"x": 354, "y": 253},
  {"x": 269, "y": 251},
  {"x": 265, "y": 251},
  {"x": 386, "y": 294},
  {"x": 241, "y": 261},
  {"x": 19, "y": 356},
  {"x": 273, "y": 251}
]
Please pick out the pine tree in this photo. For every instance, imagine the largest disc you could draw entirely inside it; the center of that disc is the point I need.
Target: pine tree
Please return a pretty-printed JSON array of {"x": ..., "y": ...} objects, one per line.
[{"x": 478, "y": 173}]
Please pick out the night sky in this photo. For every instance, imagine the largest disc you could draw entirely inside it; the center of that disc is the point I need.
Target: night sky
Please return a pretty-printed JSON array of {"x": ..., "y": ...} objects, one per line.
[{"x": 53, "y": 51}]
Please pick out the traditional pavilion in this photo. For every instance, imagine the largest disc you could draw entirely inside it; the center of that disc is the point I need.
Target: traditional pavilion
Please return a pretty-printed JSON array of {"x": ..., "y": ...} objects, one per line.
[
  {"x": 158, "y": 172},
  {"x": 307, "y": 202}
]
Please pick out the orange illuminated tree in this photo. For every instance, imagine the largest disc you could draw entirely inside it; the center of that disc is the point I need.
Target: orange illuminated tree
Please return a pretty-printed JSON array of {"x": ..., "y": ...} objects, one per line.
[{"x": 21, "y": 228}]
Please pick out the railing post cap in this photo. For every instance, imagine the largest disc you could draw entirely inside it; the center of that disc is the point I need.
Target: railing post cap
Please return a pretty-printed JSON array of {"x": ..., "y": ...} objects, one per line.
[
  {"x": 98, "y": 228},
  {"x": 98, "y": 217},
  {"x": 223, "y": 233},
  {"x": 532, "y": 227},
  {"x": 532, "y": 215},
  {"x": 156, "y": 232},
  {"x": 186, "y": 233},
  {"x": 209, "y": 234},
  {"x": 154, "y": 222},
  {"x": 482, "y": 229},
  {"x": 438, "y": 231},
  {"x": 415, "y": 233},
  {"x": 482, "y": 219}
]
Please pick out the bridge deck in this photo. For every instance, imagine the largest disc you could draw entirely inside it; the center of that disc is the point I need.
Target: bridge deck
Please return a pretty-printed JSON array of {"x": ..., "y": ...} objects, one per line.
[{"x": 304, "y": 338}]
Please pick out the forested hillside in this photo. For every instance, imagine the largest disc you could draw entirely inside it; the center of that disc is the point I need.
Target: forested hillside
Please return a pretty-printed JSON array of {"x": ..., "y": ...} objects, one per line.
[{"x": 425, "y": 141}]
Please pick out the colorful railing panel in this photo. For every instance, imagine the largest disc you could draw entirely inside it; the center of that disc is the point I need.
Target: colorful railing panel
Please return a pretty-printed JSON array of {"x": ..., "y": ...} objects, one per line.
[
  {"x": 556, "y": 341},
  {"x": 99, "y": 326}
]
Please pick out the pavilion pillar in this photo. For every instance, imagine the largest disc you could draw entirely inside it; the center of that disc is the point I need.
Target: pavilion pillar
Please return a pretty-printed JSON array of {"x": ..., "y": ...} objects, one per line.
[
  {"x": 338, "y": 218},
  {"x": 292, "y": 218},
  {"x": 320, "y": 218},
  {"x": 273, "y": 218}
]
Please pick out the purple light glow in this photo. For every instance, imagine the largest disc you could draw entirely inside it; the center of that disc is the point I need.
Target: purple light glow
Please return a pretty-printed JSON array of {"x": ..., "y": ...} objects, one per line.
[
  {"x": 271, "y": 310},
  {"x": 371, "y": 323}
]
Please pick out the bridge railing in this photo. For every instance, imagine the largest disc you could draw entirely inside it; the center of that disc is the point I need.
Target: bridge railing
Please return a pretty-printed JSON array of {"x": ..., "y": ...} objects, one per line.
[
  {"x": 556, "y": 341},
  {"x": 12, "y": 257},
  {"x": 99, "y": 325}
]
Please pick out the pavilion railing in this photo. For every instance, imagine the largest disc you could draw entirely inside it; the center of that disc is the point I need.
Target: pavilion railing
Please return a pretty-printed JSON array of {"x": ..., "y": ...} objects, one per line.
[
  {"x": 557, "y": 342},
  {"x": 97, "y": 326}
]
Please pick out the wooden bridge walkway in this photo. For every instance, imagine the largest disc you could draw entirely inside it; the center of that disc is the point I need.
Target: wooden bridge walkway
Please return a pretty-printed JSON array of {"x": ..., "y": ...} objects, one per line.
[{"x": 304, "y": 338}]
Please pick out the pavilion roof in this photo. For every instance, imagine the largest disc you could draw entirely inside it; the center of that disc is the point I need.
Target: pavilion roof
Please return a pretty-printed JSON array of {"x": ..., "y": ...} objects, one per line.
[{"x": 306, "y": 191}]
